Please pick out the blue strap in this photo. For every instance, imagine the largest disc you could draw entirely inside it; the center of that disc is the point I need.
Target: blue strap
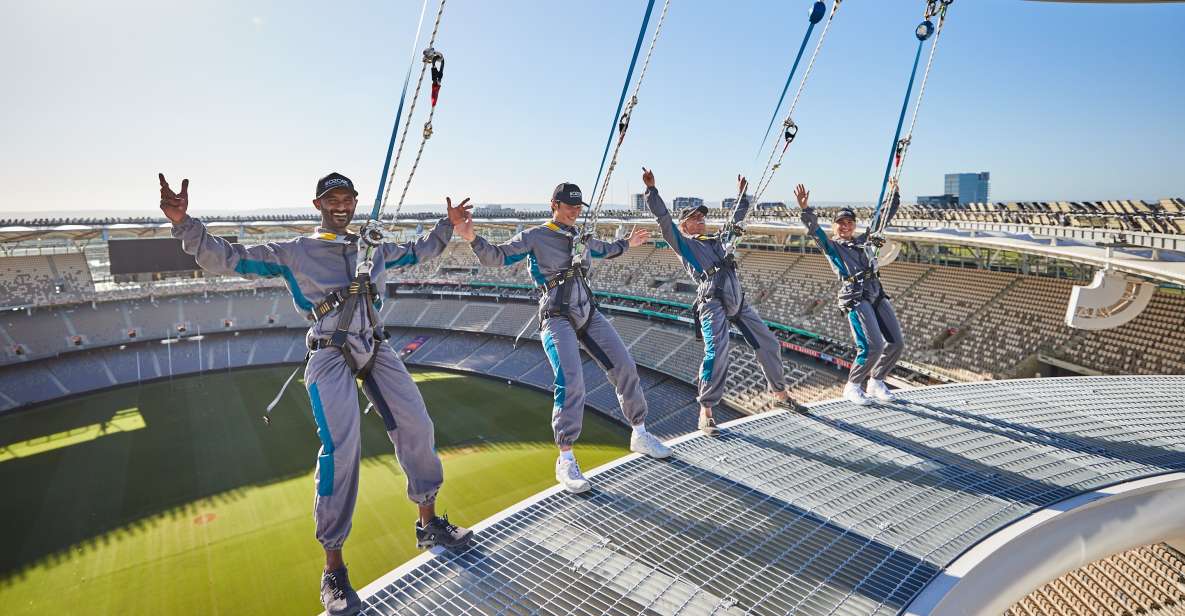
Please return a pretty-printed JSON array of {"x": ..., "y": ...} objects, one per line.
[
  {"x": 374, "y": 212},
  {"x": 872, "y": 224},
  {"x": 786, "y": 87},
  {"x": 629, "y": 75}
]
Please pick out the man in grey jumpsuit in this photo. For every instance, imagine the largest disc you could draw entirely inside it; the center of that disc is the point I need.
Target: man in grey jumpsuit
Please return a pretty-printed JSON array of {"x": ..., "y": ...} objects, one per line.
[
  {"x": 719, "y": 301},
  {"x": 569, "y": 321},
  {"x": 862, "y": 298},
  {"x": 321, "y": 267}
]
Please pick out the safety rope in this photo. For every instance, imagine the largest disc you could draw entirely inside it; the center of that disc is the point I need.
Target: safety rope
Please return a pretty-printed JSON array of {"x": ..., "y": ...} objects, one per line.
[
  {"x": 815, "y": 16},
  {"x": 900, "y": 145},
  {"x": 429, "y": 52},
  {"x": 767, "y": 175},
  {"x": 897, "y": 152},
  {"x": 622, "y": 122},
  {"x": 415, "y": 45}
]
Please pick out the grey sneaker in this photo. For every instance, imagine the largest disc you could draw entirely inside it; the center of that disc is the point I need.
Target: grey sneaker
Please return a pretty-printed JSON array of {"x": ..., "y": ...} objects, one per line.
[
  {"x": 440, "y": 532},
  {"x": 337, "y": 595},
  {"x": 707, "y": 425}
]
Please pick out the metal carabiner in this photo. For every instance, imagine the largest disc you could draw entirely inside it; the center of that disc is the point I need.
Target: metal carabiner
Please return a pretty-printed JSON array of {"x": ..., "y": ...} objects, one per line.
[{"x": 791, "y": 130}]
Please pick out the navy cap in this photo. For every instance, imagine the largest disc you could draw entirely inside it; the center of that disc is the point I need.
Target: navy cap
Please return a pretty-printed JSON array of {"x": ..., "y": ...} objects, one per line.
[
  {"x": 844, "y": 212},
  {"x": 568, "y": 193},
  {"x": 334, "y": 180},
  {"x": 687, "y": 212}
]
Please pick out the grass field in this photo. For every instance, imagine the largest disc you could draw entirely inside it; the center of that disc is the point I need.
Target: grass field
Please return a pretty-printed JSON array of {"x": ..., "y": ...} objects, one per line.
[{"x": 175, "y": 498}]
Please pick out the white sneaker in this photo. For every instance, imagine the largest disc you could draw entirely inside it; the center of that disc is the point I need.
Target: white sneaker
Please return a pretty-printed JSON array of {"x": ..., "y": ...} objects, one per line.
[
  {"x": 567, "y": 472},
  {"x": 877, "y": 389},
  {"x": 854, "y": 394},
  {"x": 644, "y": 442}
]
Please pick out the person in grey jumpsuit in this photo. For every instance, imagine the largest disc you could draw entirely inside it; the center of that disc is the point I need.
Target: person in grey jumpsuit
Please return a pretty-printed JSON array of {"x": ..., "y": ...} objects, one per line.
[
  {"x": 314, "y": 268},
  {"x": 569, "y": 321},
  {"x": 862, "y": 298},
  {"x": 719, "y": 301}
]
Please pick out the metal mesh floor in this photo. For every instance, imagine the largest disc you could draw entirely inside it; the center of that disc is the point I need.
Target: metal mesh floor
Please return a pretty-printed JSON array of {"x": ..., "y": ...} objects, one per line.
[{"x": 850, "y": 510}]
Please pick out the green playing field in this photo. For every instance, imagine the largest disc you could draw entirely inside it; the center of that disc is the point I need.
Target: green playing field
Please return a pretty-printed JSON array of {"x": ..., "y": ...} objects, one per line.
[{"x": 175, "y": 498}]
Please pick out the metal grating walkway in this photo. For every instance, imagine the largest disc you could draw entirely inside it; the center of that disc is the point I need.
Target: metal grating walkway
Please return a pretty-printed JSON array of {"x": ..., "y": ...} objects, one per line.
[{"x": 850, "y": 510}]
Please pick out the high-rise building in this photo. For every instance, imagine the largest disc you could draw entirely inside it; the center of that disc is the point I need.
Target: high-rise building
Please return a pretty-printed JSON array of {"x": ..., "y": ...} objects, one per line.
[
  {"x": 682, "y": 203},
  {"x": 969, "y": 187},
  {"x": 728, "y": 202},
  {"x": 638, "y": 203}
]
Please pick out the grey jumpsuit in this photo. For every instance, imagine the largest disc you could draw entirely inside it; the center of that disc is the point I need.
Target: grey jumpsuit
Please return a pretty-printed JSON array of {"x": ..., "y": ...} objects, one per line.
[
  {"x": 569, "y": 321},
  {"x": 871, "y": 318},
  {"x": 314, "y": 267},
  {"x": 719, "y": 301}
]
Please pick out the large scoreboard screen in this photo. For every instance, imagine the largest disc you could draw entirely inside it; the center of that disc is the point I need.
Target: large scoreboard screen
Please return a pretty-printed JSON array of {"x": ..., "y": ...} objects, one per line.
[{"x": 150, "y": 256}]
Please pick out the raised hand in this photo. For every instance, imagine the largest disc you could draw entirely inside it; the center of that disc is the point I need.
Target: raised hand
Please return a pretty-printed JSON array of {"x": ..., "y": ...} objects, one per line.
[
  {"x": 803, "y": 196},
  {"x": 465, "y": 229},
  {"x": 460, "y": 213},
  {"x": 637, "y": 237},
  {"x": 174, "y": 205},
  {"x": 742, "y": 184},
  {"x": 647, "y": 177}
]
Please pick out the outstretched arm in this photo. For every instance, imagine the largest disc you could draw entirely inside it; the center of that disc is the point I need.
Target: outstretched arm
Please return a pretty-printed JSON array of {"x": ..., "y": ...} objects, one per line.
[
  {"x": 742, "y": 209},
  {"x": 802, "y": 195},
  {"x": 495, "y": 255},
  {"x": 430, "y": 244},
  {"x": 212, "y": 253},
  {"x": 600, "y": 249},
  {"x": 666, "y": 226}
]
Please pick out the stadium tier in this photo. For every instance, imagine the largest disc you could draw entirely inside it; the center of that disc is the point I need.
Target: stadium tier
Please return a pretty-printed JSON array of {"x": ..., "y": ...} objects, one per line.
[{"x": 961, "y": 324}]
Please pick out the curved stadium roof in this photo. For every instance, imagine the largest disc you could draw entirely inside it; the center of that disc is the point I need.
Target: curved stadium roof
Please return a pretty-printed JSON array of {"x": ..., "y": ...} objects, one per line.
[{"x": 848, "y": 510}]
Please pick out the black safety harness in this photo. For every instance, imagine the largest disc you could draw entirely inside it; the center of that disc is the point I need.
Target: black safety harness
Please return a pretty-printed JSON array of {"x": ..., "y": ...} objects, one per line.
[
  {"x": 725, "y": 265},
  {"x": 345, "y": 302},
  {"x": 560, "y": 304}
]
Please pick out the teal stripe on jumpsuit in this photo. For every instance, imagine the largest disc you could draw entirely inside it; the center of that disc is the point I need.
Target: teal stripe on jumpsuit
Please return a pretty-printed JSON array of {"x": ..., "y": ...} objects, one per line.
[
  {"x": 553, "y": 356},
  {"x": 325, "y": 458},
  {"x": 705, "y": 373}
]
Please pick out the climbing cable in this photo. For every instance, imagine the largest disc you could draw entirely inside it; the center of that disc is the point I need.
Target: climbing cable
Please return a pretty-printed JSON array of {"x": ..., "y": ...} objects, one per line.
[
  {"x": 428, "y": 59},
  {"x": 900, "y": 146},
  {"x": 378, "y": 197},
  {"x": 791, "y": 129},
  {"x": 816, "y": 15},
  {"x": 621, "y": 120}
]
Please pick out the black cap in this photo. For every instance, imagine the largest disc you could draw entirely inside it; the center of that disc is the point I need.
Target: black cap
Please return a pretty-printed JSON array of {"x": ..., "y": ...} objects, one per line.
[
  {"x": 687, "y": 212},
  {"x": 334, "y": 180},
  {"x": 844, "y": 212},
  {"x": 568, "y": 193}
]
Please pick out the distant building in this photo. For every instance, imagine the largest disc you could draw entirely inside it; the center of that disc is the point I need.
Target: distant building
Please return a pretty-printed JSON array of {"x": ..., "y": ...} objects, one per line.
[
  {"x": 492, "y": 209},
  {"x": 939, "y": 200},
  {"x": 771, "y": 205},
  {"x": 638, "y": 204},
  {"x": 682, "y": 203},
  {"x": 969, "y": 187},
  {"x": 728, "y": 202}
]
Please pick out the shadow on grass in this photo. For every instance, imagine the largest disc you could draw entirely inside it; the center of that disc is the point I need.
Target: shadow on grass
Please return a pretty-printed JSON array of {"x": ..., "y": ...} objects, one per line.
[{"x": 205, "y": 444}]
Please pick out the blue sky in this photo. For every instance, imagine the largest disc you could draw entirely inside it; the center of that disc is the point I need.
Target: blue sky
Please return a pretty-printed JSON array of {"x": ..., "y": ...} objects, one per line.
[{"x": 255, "y": 100}]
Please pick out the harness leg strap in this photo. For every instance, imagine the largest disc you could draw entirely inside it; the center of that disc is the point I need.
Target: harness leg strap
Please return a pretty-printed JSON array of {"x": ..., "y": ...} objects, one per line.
[{"x": 593, "y": 348}]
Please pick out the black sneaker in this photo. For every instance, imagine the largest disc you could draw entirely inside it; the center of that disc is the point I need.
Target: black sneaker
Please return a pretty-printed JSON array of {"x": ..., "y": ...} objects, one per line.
[
  {"x": 440, "y": 532},
  {"x": 791, "y": 405},
  {"x": 337, "y": 595}
]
